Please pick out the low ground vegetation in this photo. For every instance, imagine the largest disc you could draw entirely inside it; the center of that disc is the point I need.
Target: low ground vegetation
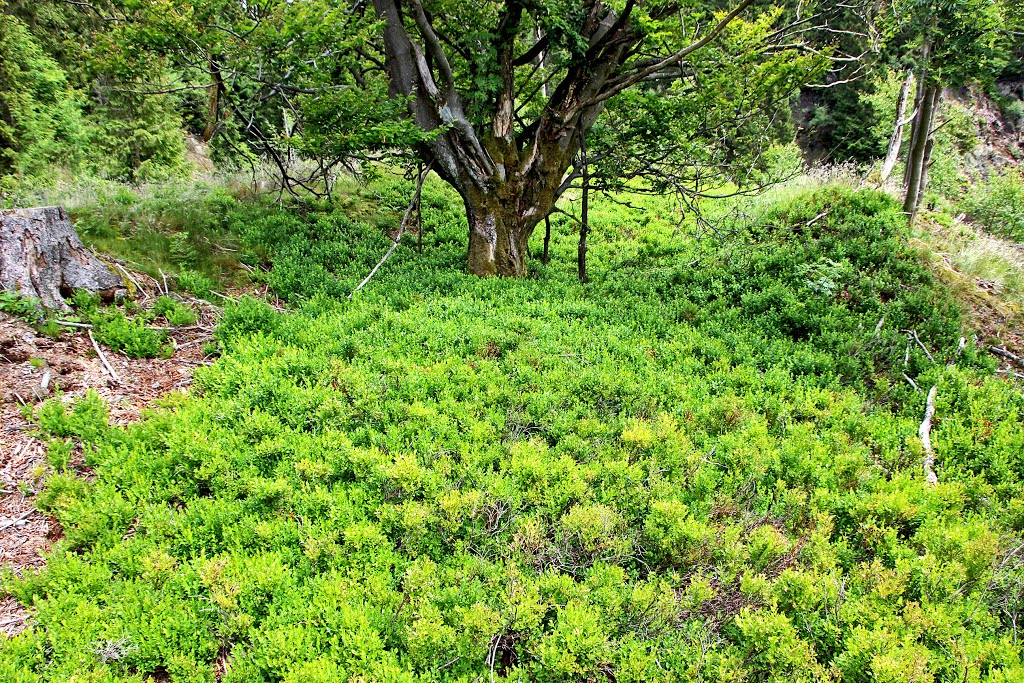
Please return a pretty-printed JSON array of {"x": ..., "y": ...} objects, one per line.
[{"x": 703, "y": 465}]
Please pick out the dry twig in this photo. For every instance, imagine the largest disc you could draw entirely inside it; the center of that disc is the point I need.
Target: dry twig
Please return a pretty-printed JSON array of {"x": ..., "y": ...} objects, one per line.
[
  {"x": 103, "y": 359},
  {"x": 1003, "y": 353},
  {"x": 401, "y": 228}
]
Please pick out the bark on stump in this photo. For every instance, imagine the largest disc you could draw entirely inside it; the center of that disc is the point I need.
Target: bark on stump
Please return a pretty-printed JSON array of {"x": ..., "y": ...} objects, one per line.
[{"x": 41, "y": 256}]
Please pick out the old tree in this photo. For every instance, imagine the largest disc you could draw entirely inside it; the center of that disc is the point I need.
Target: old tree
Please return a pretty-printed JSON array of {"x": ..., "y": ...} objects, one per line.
[
  {"x": 508, "y": 160},
  {"x": 511, "y": 90},
  {"x": 498, "y": 97}
]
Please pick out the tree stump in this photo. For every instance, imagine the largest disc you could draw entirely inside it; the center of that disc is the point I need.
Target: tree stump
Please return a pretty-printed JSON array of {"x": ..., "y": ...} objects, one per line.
[{"x": 41, "y": 256}]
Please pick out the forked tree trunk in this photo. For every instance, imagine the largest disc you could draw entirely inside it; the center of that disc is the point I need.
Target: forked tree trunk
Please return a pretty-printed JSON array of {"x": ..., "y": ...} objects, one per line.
[
  {"x": 41, "y": 256},
  {"x": 917, "y": 157}
]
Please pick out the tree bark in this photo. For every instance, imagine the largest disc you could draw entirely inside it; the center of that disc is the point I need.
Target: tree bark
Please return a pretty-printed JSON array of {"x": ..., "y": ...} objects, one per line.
[
  {"x": 547, "y": 239},
  {"x": 498, "y": 238},
  {"x": 917, "y": 156},
  {"x": 581, "y": 252},
  {"x": 41, "y": 256},
  {"x": 915, "y": 125},
  {"x": 896, "y": 141}
]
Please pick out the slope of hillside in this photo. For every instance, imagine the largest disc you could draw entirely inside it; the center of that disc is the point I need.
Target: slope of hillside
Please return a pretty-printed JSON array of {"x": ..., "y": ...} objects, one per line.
[{"x": 705, "y": 465}]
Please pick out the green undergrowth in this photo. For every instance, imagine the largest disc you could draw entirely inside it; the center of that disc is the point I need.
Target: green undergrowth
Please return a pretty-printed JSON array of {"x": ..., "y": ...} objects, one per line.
[
  {"x": 127, "y": 329},
  {"x": 702, "y": 466},
  {"x": 997, "y": 204},
  {"x": 180, "y": 231}
]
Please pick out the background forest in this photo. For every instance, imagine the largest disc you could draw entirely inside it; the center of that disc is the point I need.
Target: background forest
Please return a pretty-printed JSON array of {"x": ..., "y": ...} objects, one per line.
[{"x": 754, "y": 245}]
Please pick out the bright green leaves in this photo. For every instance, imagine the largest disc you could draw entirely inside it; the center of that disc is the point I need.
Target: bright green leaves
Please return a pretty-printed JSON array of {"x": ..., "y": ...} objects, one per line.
[
  {"x": 722, "y": 121},
  {"x": 39, "y": 111},
  {"x": 954, "y": 42},
  {"x": 448, "y": 475}
]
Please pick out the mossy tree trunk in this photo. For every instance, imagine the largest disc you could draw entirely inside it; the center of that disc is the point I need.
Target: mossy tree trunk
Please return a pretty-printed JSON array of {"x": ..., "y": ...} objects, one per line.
[{"x": 498, "y": 236}]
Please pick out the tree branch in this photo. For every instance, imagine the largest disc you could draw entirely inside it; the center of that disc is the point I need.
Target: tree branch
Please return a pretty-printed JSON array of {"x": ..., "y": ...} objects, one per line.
[
  {"x": 433, "y": 44},
  {"x": 672, "y": 59}
]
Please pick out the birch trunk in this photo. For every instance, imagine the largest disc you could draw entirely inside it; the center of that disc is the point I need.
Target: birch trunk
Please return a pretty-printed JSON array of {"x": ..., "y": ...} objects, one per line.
[{"x": 896, "y": 141}]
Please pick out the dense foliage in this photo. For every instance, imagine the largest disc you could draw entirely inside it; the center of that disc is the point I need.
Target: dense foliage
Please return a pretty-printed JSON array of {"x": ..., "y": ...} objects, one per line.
[{"x": 702, "y": 466}]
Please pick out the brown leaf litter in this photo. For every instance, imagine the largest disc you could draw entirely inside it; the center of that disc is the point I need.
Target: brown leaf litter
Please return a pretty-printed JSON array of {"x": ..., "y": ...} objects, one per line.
[{"x": 34, "y": 367}]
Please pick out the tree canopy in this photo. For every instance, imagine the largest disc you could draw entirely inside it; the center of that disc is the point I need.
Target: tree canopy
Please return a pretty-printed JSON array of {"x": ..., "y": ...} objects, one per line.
[{"x": 497, "y": 96}]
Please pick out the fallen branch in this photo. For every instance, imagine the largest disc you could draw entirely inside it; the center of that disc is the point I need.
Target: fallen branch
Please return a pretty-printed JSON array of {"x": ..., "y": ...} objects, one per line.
[
  {"x": 24, "y": 447},
  {"x": 959, "y": 349},
  {"x": 923, "y": 347},
  {"x": 17, "y": 521},
  {"x": 818, "y": 217},
  {"x": 135, "y": 282},
  {"x": 912, "y": 382},
  {"x": 103, "y": 359},
  {"x": 1012, "y": 357},
  {"x": 224, "y": 296},
  {"x": 401, "y": 228},
  {"x": 43, "y": 389},
  {"x": 157, "y": 328},
  {"x": 924, "y": 431}
]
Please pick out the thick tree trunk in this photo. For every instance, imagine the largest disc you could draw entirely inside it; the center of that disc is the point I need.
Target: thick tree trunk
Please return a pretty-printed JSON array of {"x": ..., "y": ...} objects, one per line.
[
  {"x": 498, "y": 238},
  {"x": 41, "y": 256},
  {"x": 896, "y": 141}
]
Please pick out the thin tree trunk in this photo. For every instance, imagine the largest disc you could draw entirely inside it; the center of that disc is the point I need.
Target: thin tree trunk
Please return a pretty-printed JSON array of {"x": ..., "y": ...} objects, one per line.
[
  {"x": 213, "y": 101},
  {"x": 419, "y": 212},
  {"x": 918, "y": 151},
  {"x": 896, "y": 141},
  {"x": 926, "y": 163},
  {"x": 547, "y": 239},
  {"x": 919, "y": 93},
  {"x": 581, "y": 254}
]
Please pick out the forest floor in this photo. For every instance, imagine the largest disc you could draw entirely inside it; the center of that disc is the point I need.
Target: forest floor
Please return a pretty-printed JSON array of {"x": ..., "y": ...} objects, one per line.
[
  {"x": 26, "y": 358},
  {"x": 555, "y": 387}
]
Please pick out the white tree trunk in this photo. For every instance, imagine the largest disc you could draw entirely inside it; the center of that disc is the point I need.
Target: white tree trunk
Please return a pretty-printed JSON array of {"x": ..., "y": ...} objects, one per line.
[
  {"x": 41, "y": 256},
  {"x": 897, "y": 134}
]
